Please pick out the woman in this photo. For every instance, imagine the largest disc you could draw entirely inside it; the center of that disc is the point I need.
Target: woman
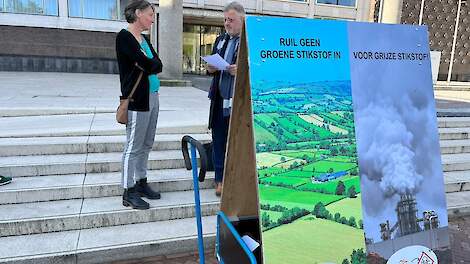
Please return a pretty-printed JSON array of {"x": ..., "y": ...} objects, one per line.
[{"x": 135, "y": 54}]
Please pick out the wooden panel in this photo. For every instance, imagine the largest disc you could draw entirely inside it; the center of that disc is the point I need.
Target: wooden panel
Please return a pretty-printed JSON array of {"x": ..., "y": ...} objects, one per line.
[{"x": 240, "y": 192}]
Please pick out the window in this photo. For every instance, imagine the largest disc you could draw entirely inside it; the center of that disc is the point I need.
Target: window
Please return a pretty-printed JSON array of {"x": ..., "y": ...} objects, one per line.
[
  {"x": 351, "y": 3},
  {"x": 102, "y": 9},
  {"x": 38, "y": 7},
  {"x": 197, "y": 42}
]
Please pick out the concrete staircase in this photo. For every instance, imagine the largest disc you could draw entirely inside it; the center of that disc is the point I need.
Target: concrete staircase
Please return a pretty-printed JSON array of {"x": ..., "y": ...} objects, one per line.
[
  {"x": 455, "y": 148},
  {"x": 64, "y": 205}
]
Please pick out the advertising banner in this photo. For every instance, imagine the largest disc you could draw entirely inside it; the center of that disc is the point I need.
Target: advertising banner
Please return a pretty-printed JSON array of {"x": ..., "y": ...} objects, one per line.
[{"x": 347, "y": 148}]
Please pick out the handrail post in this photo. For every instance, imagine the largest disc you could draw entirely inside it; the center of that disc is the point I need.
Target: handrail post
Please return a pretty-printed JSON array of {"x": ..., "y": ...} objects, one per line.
[{"x": 198, "y": 204}]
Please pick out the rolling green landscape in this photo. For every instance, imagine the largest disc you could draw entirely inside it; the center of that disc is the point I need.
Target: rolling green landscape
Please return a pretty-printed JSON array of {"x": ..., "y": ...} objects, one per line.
[
  {"x": 309, "y": 183},
  {"x": 301, "y": 240}
]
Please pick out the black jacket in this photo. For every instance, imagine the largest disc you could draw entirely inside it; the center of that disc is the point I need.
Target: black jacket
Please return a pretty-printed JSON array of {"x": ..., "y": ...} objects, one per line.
[
  {"x": 131, "y": 61},
  {"x": 214, "y": 88}
]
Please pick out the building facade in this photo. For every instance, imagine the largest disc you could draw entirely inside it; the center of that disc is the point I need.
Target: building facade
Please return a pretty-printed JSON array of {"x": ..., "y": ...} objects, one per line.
[
  {"x": 442, "y": 17},
  {"x": 78, "y": 35}
]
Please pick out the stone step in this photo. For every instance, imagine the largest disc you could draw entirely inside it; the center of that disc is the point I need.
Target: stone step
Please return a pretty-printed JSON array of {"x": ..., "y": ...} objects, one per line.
[
  {"x": 106, "y": 244},
  {"x": 454, "y": 112},
  {"x": 456, "y": 162},
  {"x": 98, "y": 245},
  {"x": 452, "y": 122},
  {"x": 454, "y": 133},
  {"x": 457, "y": 181},
  {"x": 92, "y": 185},
  {"x": 21, "y": 166},
  {"x": 106, "y": 144},
  {"x": 39, "y": 165},
  {"x": 75, "y": 214},
  {"x": 84, "y": 144},
  {"x": 458, "y": 204},
  {"x": 104, "y": 124},
  {"x": 455, "y": 146},
  {"x": 452, "y": 86}
]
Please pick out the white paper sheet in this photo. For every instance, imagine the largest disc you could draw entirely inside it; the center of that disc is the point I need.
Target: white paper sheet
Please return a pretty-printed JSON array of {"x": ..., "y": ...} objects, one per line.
[
  {"x": 250, "y": 242},
  {"x": 216, "y": 61}
]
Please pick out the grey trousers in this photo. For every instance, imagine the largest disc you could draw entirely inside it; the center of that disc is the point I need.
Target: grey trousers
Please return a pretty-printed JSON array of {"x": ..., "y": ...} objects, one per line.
[{"x": 140, "y": 130}]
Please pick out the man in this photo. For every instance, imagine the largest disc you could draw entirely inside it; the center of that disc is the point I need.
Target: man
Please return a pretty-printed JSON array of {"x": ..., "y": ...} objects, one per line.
[
  {"x": 222, "y": 86},
  {"x": 4, "y": 180}
]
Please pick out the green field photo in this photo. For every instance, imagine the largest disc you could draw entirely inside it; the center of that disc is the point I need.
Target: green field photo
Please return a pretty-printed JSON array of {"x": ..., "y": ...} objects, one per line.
[
  {"x": 309, "y": 185},
  {"x": 304, "y": 242}
]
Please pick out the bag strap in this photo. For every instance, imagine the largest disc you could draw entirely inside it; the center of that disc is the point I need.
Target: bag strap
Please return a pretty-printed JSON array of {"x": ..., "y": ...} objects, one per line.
[{"x": 137, "y": 82}]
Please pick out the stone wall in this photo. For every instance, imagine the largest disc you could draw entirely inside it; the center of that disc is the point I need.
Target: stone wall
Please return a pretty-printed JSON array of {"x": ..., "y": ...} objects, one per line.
[
  {"x": 56, "y": 50},
  {"x": 440, "y": 16}
]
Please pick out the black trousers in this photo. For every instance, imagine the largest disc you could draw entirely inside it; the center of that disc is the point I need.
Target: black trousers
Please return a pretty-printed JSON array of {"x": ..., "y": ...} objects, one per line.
[{"x": 219, "y": 137}]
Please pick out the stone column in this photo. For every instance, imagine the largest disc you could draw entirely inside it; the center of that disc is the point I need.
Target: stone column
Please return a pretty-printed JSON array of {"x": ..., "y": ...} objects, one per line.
[
  {"x": 391, "y": 11},
  {"x": 170, "y": 37},
  {"x": 63, "y": 8},
  {"x": 363, "y": 9}
]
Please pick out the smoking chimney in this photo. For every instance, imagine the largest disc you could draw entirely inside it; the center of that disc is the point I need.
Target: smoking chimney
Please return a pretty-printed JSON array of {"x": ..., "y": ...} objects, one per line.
[{"x": 407, "y": 215}]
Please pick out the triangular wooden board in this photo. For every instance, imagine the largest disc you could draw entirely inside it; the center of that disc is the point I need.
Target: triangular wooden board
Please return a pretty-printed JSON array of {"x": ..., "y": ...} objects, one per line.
[{"x": 240, "y": 192}]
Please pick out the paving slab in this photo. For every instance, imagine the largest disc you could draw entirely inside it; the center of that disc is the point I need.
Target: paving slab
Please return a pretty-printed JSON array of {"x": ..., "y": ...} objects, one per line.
[{"x": 51, "y": 90}]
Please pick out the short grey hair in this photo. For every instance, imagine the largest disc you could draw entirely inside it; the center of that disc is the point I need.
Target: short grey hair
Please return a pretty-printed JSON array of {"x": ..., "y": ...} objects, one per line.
[
  {"x": 133, "y": 6},
  {"x": 235, "y": 6}
]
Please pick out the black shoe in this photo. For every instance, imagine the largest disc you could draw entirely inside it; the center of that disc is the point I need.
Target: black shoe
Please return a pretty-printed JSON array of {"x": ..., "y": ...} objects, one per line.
[
  {"x": 132, "y": 198},
  {"x": 143, "y": 189},
  {"x": 4, "y": 180}
]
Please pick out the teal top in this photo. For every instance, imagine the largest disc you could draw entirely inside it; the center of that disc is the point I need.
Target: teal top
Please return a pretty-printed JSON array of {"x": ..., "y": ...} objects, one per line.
[{"x": 154, "y": 82}]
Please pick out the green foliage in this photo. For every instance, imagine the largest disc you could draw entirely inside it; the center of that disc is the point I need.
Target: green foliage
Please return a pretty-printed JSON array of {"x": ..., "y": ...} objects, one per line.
[
  {"x": 320, "y": 211},
  {"x": 352, "y": 192},
  {"x": 291, "y": 215},
  {"x": 337, "y": 217},
  {"x": 352, "y": 221},
  {"x": 265, "y": 220},
  {"x": 358, "y": 257},
  {"x": 333, "y": 151},
  {"x": 340, "y": 188}
]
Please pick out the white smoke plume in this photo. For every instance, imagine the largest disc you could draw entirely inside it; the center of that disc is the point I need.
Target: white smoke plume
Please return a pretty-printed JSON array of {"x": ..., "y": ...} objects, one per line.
[{"x": 388, "y": 158}]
